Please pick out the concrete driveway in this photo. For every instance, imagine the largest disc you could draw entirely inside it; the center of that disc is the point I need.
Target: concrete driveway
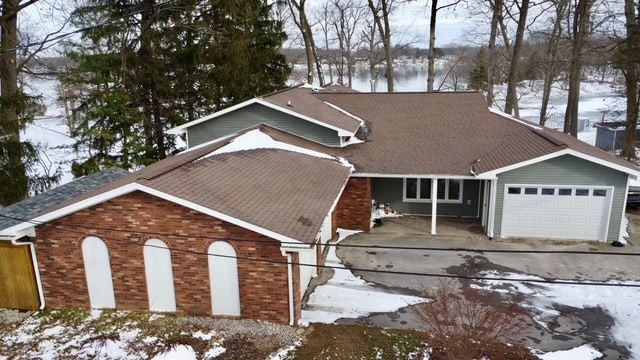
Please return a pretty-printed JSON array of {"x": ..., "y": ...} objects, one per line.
[{"x": 572, "y": 327}]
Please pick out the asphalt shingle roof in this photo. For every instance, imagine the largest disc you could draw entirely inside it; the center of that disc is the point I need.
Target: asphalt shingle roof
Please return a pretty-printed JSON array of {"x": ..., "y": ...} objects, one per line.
[
  {"x": 297, "y": 99},
  {"x": 444, "y": 134},
  {"x": 36, "y": 205},
  {"x": 285, "y": 192}
]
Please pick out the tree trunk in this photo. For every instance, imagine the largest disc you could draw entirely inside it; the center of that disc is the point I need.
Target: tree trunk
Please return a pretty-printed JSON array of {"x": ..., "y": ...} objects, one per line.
[
  {"x": 382, "y": 21},
  {"x": 431, "y": 56},
  {"x": 512, "y": 80},
  {"x": 493, "y": 51},
  {"x": 580, "y": 27},
  {"x": 307, "y": 47},
  {"x": 551, "y": 58},
  {"x": 632, "y": 77},
  {"x": 9, "y": 121}
]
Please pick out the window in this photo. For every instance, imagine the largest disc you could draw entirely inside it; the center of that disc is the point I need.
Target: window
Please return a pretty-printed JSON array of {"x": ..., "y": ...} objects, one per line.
[
  {"x": 548, "y": 191},
  {"x": 411, "y": 188},
  {"x": 582, "y": 192},
  {"x": 442, "y": 188},
  {"x": 425, "y": 188},
  {"x": 531, "y": 191},
  {"x": 564, "y": 192},
  {"x": 448, "y": 190},
  {"x": 599, "y": 192},
  {"x": 514, "y": 190},
  {"x": 454, "y": 190}
]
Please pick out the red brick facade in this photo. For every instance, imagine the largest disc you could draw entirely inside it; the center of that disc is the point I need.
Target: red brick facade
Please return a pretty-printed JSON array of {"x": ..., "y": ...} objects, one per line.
[
  {"x": 354, "y": 207},
  {"x": 264, "y": 292}
]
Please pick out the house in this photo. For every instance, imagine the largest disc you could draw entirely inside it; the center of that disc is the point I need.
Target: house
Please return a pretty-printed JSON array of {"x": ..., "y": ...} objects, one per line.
[{"x": 236, "y": 225}]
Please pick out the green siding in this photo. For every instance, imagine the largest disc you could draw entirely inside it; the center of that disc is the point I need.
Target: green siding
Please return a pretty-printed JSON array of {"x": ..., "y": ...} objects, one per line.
[
  {"x": 256, "y": 114},
  {"x": 567, "y": 170},
  {"x": 389, "y": 191}
]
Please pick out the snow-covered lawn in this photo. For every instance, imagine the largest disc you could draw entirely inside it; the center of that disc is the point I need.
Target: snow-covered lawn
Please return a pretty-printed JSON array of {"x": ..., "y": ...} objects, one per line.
[
  {"x": 348, "y": 296},
  {"x": 86, "y": 334},
  {"x": 621, "y": 303}
]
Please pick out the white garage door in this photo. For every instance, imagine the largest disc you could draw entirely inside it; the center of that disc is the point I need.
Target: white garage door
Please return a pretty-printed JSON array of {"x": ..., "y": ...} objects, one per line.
[{"x": 556, "y": 212}]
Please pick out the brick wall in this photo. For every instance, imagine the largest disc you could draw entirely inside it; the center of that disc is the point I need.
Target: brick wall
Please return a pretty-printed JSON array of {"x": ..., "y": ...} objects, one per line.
[
  {"x": 263, "y": 286},
  {"x": 354, "y": 207}
]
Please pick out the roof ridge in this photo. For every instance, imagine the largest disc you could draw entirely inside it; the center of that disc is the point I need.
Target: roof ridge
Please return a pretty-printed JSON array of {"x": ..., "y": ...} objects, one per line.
[
  {"x": 292, "y": 87},
  {"x": 399, "y": 93},
  {"x": 549, "y": 138}
]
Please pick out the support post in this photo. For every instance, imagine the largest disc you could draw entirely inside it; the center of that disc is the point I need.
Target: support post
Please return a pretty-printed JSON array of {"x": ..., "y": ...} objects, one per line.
[
  {"x": 492, "y": 207},
  {"x": 434, "y": 204}
]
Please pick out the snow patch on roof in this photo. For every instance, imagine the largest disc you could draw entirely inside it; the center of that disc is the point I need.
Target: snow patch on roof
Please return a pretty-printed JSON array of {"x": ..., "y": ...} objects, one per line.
[{"x": 256, "y": 139}]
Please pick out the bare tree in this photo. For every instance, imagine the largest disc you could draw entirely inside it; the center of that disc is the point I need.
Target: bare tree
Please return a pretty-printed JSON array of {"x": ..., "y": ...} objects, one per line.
[
  {"x": 496, "y": 14},
  {"x": 372, "y": 41},
  {"x": 512, "y": 79},
  {"x": 381, "y": 11},
  {"x": 580, "y": 28},
  {"x": 323, "y": 18},
  {"x": 431, "y": 56},
  {"x": 551, "y": 56},
  {"x": 299, "y": 16},
  {"x": 629, "y": 61},
  {"x": 17, "y": 108},
  {"x": 348, "y": 17}
]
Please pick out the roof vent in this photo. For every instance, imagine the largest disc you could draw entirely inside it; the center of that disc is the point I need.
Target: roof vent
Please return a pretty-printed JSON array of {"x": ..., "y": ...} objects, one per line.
[{"x": 289, "y": 103}]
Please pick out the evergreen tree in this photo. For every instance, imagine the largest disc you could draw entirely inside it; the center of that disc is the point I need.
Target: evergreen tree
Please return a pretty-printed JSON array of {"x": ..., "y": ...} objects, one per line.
[
  {"x": 479, "y": 72},
  {"x": 166, "y": 64}
]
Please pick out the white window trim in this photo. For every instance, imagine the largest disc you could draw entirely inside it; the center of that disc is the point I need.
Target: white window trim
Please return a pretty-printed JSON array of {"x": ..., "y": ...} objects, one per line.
[{"x": 420, "y": 200}]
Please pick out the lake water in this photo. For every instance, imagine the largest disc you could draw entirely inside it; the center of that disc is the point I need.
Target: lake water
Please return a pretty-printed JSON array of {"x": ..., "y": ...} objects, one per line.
[{"x": 598, "y": 100}]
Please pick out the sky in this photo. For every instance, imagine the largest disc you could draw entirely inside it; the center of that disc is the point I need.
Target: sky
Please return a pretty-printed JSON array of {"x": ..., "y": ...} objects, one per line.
[{"x": 410, "y": 23}]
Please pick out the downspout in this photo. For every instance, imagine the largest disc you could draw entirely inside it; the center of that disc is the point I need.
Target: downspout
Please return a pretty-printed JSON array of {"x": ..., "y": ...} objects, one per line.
[
  {"x": 290, "y": 282},
  {"x": 36, "y": 269}
]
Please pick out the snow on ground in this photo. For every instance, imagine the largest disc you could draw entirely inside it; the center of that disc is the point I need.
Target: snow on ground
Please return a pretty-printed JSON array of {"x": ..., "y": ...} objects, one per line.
[
  {"x": 180, "y": 352},
  {"x": 348, "y": 296},
  {"x": 598, "y": 101},
  {"x": 583, "y": 352},
  {"x": 624, "y": 234},
  {"x": 95, "y": 334},
  {"x": 621, "y": 303}
]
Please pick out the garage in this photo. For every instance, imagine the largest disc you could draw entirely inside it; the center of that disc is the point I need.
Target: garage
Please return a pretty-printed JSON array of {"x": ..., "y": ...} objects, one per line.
[{"x": 556, "y": 212}]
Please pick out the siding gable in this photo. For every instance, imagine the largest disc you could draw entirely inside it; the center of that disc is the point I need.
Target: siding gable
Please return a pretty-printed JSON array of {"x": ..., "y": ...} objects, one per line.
[{"x": 256, "y": 114}]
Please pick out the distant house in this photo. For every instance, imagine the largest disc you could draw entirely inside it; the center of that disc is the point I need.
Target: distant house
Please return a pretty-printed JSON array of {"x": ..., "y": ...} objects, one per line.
[{"x": 229, "y": 226}]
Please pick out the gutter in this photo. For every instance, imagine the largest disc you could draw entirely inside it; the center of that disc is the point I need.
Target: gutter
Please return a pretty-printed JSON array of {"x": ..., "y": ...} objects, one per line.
[{"x": 36, "y": 269}]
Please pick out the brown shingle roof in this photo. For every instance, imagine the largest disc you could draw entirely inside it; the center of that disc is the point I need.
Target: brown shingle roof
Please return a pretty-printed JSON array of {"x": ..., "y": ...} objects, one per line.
[
  {"x": 299, "y": 100},
  {"x": 444, "y": 134},
  {"x": 282, "y": 191},
  {"x": 285, "y": 192}
]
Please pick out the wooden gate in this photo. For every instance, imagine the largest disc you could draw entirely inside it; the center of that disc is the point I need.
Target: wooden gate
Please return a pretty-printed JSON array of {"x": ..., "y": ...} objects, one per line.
[{"x": 18, "y": 289}]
